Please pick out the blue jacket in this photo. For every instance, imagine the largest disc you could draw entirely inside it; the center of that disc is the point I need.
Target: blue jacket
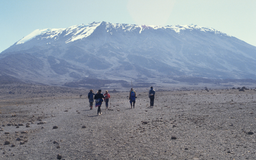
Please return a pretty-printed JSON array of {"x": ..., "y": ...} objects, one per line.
[{"x": 90, "y": 96}]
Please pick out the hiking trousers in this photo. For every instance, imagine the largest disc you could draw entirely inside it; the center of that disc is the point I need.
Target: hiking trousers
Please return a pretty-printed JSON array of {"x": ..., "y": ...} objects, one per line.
[
  {"x": 99, "y": 110},
  {"x": 106, "y": 102},
  {"x": 152, "y": 101}
]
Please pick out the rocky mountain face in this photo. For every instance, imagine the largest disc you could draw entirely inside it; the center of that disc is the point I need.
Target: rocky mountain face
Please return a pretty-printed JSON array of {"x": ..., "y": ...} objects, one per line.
[{"x": 116, "y": 54}]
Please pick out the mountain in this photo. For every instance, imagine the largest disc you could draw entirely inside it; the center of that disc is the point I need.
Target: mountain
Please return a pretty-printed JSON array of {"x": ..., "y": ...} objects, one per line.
[{"x": 114, "y": 54}]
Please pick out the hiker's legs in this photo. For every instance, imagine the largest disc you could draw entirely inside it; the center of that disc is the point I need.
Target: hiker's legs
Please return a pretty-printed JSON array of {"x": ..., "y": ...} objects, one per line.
[
  {"x": 106, "y": 102},
  {"x": 133, "y": 104},
  {"x": 99, "y": 110},
  {"x": 91, "y": 104},
  {"x": 151, "y": 101}
]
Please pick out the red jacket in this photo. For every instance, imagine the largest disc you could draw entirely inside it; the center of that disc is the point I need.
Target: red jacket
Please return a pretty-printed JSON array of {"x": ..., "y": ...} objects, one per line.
[{"x": 107, "y": 96}]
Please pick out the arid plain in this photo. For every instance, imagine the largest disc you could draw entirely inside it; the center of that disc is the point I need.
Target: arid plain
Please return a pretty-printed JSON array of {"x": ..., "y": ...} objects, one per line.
[{"x": 42, "y": 122}]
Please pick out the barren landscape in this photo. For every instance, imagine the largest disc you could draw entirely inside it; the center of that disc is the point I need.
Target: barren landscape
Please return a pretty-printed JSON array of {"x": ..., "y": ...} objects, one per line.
[{"x": 42, "y": 122}]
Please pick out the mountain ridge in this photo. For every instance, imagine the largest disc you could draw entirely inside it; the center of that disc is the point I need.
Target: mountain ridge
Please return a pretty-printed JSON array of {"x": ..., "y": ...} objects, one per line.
[{"x": 104, "y": 50}]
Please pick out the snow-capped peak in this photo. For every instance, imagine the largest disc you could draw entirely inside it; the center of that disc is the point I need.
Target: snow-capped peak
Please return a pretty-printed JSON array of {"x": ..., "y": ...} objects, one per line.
[
  {"x": 78, "y": 32},
  {"x": 81, "y": 31},
  {"x": 40, "y": 32}
]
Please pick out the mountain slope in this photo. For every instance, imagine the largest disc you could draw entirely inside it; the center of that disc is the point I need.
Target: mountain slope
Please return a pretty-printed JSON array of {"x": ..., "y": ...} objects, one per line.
[{"x": 126, "y": 52}]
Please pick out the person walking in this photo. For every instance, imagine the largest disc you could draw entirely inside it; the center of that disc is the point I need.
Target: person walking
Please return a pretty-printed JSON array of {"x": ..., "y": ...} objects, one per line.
[
  {"x": 106, "y": 98},
  {"x": 98, "y": 101},
  {"x": 90, "y": 97},
  {"x": 132, "y": 97},
  {"x": 151, "y": 95}
]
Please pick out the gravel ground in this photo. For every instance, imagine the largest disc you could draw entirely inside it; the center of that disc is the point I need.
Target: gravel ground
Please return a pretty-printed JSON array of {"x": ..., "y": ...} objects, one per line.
[{"x": 197, "y": 125}]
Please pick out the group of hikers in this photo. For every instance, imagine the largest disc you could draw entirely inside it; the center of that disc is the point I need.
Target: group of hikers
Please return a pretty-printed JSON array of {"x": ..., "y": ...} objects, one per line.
[{"x": 99, "y": 98}]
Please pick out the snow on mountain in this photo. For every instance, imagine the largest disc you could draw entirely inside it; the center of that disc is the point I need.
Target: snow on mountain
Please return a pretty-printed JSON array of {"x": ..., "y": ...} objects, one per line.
[
  {"x": 79, "y": 32},
  {"x": 128, "y": 52}
]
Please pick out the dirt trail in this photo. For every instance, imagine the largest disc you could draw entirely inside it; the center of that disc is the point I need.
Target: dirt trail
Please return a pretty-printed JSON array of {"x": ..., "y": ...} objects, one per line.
[{"x": 195, "y": 125}]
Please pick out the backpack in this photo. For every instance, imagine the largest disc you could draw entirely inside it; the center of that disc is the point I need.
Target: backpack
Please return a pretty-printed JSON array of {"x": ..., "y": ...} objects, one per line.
[{"x": 132, "y": 96}]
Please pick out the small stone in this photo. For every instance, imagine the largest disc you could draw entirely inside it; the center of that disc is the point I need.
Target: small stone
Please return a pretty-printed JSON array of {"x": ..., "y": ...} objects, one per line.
[
  {"x": 173, "y": 138},
  {"x": 6, "y": 142},
  {"x": 6, "y": 133},
  {"x": 12, "y": 145},
  {"x": 22, "y": 142},
  {"x": 55, "y": 142},
  {"x": 83, "y": 126},
  {"x": 54, "y": 127},
  {"x": 144, "y": 122},
  {"x": 20, "y": 124},
  {"x": 250, "y": 133},
  {"x": 59, "y": 156},
  {"x": 42, "y": 122},
  {"x": 24, "y": 132}
]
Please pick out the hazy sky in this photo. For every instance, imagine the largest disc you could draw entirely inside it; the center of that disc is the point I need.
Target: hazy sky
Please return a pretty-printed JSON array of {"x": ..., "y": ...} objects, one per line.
[{"x": 18, "y": 18}]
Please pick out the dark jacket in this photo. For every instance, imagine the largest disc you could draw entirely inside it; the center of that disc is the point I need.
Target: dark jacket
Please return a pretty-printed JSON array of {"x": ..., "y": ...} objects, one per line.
[
  {"x": 99, "y": 96},
  {"x": 151, "y": 93}
]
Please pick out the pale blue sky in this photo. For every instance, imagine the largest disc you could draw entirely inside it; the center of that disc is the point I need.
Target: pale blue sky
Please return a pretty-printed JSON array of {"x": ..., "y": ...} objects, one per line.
[{"x": 18, "y": 18}]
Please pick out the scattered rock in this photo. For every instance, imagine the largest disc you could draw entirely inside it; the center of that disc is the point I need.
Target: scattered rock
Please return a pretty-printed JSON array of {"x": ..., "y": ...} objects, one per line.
[
  {"x": 250, "y": 133},
  {"x": 66, "y": 111},
  {"x": 12, "y": 145},
  {"x": 24, "y": 132},
  {"x": 42, "y": 122},
  {"x": 27, "y": 125},
  {"x": 22, "y": 142},
  {"x": 6, "y": 142},
  {"x": 18, "y": 139},
  {"x": 59, "y": 156},
  {"x": 144, "y": 122},
  {"x": 83, "y": 126},
  {"x": 20, "y": 124},
  {"x": 6, "y": 133},
  {"x": 54, "y": 127},
  {"x": 173, "y": 138}
]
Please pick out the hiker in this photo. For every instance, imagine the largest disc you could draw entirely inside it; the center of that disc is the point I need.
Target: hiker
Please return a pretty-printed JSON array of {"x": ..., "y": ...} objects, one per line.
[
  {"x": 132, "y": 97},
  {"x": 151, "y": 95},
  {"x": 98, "y": 101},
  {"x": 106, "y": 98},
  {"x": 90, "y": 97}
]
